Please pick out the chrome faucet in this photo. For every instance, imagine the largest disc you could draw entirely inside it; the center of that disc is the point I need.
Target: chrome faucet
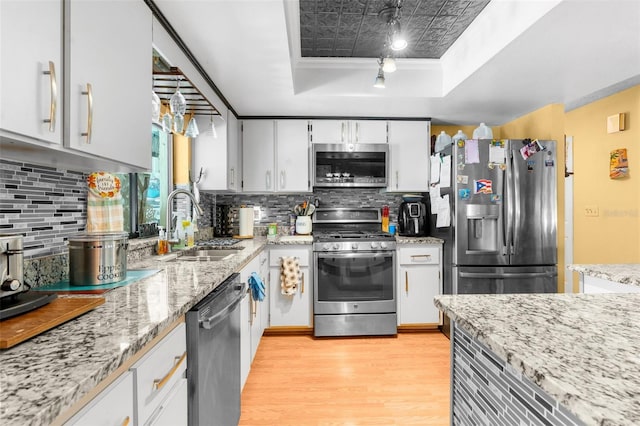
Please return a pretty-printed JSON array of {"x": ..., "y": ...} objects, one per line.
[{"x": 170, "y": 209}]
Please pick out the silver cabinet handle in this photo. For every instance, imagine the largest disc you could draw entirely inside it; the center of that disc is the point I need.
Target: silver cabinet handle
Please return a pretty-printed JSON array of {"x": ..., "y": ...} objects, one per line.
[
  {"x": 357, "y": 132},
  {"x": 282, "y": 180},
  {"x": 397, "y": 179},
  {"x": 426, "y": 256},
  {"x": 342, "y": 132},
  {"x": 406, "y": 281},
  {"x": 53, "y": 105},
  {"x": 268, "y": 179},
  {"x": 232, "y": 182},
  {"x": 89, "y": 94}
]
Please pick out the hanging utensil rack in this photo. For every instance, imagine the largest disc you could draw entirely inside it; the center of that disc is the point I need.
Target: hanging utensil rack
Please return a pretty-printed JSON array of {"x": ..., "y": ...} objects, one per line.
[{"x": 165, "y": 83}]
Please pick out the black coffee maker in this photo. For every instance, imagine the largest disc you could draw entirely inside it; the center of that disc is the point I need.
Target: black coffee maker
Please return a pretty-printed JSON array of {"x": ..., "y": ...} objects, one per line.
[{"x": 413, "y": 219}]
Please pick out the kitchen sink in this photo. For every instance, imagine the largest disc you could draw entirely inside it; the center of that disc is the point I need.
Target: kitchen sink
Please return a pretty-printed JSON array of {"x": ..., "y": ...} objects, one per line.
[{"x": 203, "y": 254}]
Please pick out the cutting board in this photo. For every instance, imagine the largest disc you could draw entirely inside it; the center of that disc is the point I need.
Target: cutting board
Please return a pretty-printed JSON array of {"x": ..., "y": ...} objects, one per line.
[
  {"x": 64, "y": 287},
  {"x": 22, "y": 327}
]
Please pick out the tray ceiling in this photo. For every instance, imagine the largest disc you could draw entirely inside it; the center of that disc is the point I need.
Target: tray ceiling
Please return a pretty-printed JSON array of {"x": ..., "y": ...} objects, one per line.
[{"x": 352, "y": 28}]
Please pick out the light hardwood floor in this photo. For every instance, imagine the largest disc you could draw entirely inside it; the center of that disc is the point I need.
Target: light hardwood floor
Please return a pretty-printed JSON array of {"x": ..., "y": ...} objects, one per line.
[{"x": 299, "y": 380}]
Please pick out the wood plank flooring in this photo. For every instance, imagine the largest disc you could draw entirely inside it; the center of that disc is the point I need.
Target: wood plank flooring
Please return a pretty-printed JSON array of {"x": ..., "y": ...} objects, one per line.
[{"x": 299, "y": 380}]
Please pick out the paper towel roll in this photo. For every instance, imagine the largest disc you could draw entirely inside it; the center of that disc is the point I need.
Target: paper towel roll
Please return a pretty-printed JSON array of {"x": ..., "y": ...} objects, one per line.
[{"x": 246, "y": 221}]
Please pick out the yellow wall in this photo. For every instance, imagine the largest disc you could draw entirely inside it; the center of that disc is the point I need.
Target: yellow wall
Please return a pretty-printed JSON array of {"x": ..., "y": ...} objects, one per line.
[
  {"x": 546, "y": 123},
  {"x": 614, "y": 235}
]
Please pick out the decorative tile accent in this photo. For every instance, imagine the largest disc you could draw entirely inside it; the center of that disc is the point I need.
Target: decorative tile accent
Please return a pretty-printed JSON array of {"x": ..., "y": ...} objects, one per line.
[
  {"x": 487, "y": 391},
  {"x": 44, "y": 204}
]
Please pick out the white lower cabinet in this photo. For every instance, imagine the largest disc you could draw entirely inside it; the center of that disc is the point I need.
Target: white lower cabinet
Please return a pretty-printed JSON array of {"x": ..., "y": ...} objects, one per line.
[
  {"x": 160, "y": 393},
  {"x": 112, "y": 407},
  {"x": 254, "y": 314},
  {"x": 295, "y": 310},
  {"x": 419, "y": 280}
]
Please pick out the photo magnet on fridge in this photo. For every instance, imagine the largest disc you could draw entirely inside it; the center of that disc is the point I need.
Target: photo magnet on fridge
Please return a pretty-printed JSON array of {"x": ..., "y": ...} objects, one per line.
[
  {"x": 463, "y": 179},
  {"x": 496, "y": 198},
  {"x": 464, "y": 193}
]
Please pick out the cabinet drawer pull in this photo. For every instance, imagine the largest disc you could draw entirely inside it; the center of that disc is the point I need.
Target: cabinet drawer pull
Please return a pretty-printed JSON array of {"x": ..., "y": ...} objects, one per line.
[
  {"x": 89, "y": 94},
  {"x": 302, "y": 286},
  {"x": 406, "y": 281},
  {"x": 159, "y": 383},
  {"x": 53, "y": 105},
  {"x": 126, "y": 421},
  {"x": 426, "y": 256}
]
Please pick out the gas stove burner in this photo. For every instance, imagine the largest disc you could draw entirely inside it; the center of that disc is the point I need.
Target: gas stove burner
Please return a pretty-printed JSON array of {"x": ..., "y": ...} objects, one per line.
[
  {"x": 218, "y": 242},
  {"x": 353, "y": 235}
]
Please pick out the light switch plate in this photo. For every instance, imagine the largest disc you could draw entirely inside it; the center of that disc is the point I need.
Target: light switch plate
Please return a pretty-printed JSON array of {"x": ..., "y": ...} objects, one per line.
[
  {"x": 592, "y": 211},
  {"x": 615, "y": 123}
]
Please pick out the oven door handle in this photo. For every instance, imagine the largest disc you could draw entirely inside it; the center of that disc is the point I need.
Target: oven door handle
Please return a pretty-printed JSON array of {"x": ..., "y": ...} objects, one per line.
[{"x": 347, "y": 255}]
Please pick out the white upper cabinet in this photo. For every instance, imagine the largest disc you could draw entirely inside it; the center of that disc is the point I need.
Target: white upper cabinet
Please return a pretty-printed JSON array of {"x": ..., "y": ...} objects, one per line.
[
  {"x": 258, "y": 155},
  {"x": 216, "y": 155},
  {"x": 234, "y": 169},
  {"x": 349, "y": 131},
  {"x": 31, "y": 68},
  {"x": 292, "y": 157},
  {"x": 409, "y": 144},
  {"x": 275, "y": 156},
  {"x": 108, "y": 79}
]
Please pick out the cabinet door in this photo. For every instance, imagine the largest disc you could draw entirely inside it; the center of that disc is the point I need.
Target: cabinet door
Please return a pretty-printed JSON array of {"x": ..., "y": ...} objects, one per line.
[
  {"x": 108, "y": 79},
  {"x": 173, "y": 411},
  {"x": 234, "y": 171},
  {"x": 294, "y": 310},
  {"x": 418, "y": 286},
  {"x": 31, "y": 46},
  {"x": 292, "y": 157},
  {"x": 409, "y": 145},
  {"x": 209, "y": 154},
  {"x": 113, "y": 406},
  {"x": 368, "y": 131},
  {"x": 258, "y": 155},
  {"x": 329, "y": 131}
]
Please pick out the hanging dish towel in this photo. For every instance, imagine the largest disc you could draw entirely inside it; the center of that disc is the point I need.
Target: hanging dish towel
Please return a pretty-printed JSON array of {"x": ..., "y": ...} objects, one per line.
[
  {"x": 104, "y": 203},
  {"x": 257, "y": 287},
  {"x": 289, "y": 275}
]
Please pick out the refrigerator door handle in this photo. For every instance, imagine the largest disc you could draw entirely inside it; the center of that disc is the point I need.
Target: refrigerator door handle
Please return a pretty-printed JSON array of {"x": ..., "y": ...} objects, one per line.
[
  {"x": 506, "y": 225},
  {"x": 516, "y": 213},
  {"x": 508, "y": 275}
]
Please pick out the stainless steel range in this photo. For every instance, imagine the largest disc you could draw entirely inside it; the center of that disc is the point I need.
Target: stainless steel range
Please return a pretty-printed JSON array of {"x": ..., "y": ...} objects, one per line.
[{"x": 354, "y": 274}]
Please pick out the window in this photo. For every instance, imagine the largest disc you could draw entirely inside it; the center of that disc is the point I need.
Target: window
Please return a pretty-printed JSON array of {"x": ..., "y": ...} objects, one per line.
[{"x": 145, "y": 203}]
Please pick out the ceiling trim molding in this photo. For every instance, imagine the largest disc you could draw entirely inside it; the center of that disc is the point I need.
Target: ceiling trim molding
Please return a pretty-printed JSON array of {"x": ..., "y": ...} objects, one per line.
[{"x": 157, "y": 13}]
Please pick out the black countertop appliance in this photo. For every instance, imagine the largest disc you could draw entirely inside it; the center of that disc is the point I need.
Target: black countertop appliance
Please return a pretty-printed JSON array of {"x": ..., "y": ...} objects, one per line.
[{"x": 413, "y": 219}]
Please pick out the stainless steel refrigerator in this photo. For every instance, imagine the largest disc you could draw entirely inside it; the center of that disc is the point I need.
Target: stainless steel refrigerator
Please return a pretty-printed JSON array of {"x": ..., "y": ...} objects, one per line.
[{"x": 503, "y": 217}]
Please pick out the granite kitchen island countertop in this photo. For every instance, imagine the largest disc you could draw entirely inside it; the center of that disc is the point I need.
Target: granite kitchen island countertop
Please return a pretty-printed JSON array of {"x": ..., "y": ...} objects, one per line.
[
  {"x": 623, "y": 273},
  {"x": 583, "y": 350},
  {"x": 44, "y": 376}
]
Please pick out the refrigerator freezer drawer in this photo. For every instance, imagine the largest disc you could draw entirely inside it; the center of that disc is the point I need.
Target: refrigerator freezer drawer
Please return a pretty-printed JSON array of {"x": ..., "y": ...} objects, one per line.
[{"x": 506, "y": 279}]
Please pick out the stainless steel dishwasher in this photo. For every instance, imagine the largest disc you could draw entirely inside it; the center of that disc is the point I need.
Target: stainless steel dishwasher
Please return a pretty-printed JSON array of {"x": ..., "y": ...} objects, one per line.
[{"x": 213, "y": 354}]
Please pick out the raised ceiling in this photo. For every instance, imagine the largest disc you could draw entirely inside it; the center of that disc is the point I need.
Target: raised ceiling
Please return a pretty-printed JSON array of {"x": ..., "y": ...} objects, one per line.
[{"x": 353, "y": 28}]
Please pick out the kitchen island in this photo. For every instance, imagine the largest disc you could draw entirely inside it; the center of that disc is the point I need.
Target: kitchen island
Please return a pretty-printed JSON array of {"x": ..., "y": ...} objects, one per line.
[
  {"x": 551, "y": 359},
  {"x": 608, "y": 278},
  {"x": 45, "y": 376}
]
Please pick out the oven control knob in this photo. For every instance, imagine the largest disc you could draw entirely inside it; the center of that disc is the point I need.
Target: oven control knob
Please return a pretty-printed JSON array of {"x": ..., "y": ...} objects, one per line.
[
  {"x": 326, "y": 246},
  {"x": 354, "y": 246},
  {"x": 375, "y": 244},
  {"x": 336, "y": 246},
  {"x": 10, "y": 285},
  {"x": 383, "y": 245}
]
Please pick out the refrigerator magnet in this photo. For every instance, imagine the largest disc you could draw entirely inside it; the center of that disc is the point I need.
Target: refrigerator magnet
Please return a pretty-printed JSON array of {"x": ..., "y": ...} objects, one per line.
[
  {"x": 491, "y": 166},
  {"x": 461, "y": 143},
  {"x": 496, "y": 198},
  {"x": 530, "y": 165},
  {"x": 548, "y": 163},
  {"x": 464, "y": 193},
  {"x": 463, "y": 179},
  {"x": 483, "y": 186},
  {"x": 460, "y": 166},
  {"x": 503, "y": 166}
]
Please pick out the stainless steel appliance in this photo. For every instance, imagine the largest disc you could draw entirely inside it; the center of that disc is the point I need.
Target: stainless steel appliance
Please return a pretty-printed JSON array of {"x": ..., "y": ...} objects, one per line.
[
  {"x": 14, "y": 296},
  {"x": 213, "y": 356},
  {"x": 502, "y": 237},
  {"x": 354, "y": 274},
  {"x": 350, "y": 165},
  {"x": 413, "y": 219}
]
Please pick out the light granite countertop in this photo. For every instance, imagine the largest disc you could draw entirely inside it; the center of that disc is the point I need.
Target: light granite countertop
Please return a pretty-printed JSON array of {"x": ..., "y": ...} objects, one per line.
[
  {"x": 44, "y": 376},
  {"x": 418, "y": 240},
  {"x": 582, "y": 349},
  {"x": 623, "y": 273}
]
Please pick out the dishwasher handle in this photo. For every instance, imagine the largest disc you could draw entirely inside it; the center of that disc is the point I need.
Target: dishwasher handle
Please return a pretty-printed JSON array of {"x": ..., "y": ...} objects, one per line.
[{"x": 219, "y": 315}]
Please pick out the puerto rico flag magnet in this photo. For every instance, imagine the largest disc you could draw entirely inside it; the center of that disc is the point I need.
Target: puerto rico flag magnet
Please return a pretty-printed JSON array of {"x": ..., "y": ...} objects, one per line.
[{"x": 482, "y": 186}]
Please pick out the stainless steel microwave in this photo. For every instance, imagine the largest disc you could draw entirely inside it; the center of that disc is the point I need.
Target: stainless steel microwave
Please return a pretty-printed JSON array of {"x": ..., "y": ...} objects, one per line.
[{"x": 357, "y": 165}]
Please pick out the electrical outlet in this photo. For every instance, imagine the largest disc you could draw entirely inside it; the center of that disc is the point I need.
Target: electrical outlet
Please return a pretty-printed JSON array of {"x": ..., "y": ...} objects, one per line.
[{"x": 592, "y": 211}]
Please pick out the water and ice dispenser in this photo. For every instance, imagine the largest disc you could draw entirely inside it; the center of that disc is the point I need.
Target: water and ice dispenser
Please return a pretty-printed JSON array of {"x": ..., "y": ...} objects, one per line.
[{"x": 482, "y": 228}]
